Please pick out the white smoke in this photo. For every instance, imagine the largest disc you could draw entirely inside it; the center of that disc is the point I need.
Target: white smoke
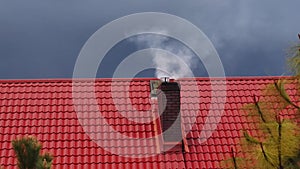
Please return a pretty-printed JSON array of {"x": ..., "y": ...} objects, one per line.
[{"x": 167, "y": 64}]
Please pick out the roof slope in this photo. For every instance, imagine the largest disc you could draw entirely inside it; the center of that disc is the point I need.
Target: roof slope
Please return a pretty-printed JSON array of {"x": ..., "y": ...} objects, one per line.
[{"x": 45, "y": 109}]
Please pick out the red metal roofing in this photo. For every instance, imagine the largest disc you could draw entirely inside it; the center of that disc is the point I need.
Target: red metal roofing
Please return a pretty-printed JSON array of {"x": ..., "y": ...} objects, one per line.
[{"x": 45, "y": 109}]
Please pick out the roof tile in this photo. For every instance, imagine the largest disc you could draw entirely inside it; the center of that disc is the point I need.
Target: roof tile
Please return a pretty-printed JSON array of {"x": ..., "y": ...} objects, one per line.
[{"x": 44, "y": 108}]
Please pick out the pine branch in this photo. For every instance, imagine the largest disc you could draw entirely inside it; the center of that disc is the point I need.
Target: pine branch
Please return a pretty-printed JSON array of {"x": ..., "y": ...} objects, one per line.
[
  {"x": 250, "y": 139},
  {"x": 283, "y": 94},
  {"x": 278, "y": 120},
  {"x": 233, "y": 159},
  {"x": 265, "y": 155},
  {"x": 27, "y": 150},
  {"x": 256, "y": 103},
  {"x": 259, "y": 109}
]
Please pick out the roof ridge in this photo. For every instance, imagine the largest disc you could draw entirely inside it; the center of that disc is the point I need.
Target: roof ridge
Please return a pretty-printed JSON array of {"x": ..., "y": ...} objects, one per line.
[{"x": 136, "y": 79}]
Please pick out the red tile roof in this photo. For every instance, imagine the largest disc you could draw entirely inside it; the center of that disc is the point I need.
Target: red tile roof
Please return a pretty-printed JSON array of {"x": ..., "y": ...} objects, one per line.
[{"x": 78, "y": 138}]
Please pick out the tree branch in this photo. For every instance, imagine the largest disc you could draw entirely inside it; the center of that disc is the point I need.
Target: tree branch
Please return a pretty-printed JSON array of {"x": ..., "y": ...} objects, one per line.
[
  {"x": 284, "y": 97},
  {"x": 261, "y": 115},
  {"x": 279, "y": 122},
  {"x": 265, "y": 155},
  {"x": 233, "y": 159}
]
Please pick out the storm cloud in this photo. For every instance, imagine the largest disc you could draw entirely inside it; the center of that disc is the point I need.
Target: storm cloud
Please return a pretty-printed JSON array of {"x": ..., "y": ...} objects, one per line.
[{"x": 42, "y": 39}]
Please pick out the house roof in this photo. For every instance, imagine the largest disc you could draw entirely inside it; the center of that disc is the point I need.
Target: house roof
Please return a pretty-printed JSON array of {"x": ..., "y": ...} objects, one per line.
[{"x": 118, "y": 129}]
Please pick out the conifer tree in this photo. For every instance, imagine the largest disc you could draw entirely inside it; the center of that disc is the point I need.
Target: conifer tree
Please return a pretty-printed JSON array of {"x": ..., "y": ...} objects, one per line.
[
  {"x": 27, "y": 150},
  {"x": 277, "y": 146},
  {"x": 294, "y": 58}
]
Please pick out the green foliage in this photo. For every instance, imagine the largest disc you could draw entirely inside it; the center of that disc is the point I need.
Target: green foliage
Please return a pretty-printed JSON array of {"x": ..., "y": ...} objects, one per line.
[
  {"x": 234, "y": 162},
  {"x": 294, "y": 58},
  {"x": 278, "y": 141},
  {"x": 284, "y": 145},
  {"x": 278, "y": 147},
  {"x": 27, "y": 150},
  {"x": 250, "y": 139},
  {"x": 45, "y": 161}
]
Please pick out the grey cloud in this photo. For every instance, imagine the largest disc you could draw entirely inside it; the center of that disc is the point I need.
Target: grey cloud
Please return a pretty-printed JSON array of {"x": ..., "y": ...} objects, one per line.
[{"x": 41, "y": 39}]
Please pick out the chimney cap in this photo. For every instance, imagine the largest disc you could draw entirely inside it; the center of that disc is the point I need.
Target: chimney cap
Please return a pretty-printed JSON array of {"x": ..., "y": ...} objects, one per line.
[{"x": 165, "y": 79}]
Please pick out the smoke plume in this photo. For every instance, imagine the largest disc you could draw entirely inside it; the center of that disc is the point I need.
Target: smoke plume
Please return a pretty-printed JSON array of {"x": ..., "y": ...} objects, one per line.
[{"x": 167, "y": 64}]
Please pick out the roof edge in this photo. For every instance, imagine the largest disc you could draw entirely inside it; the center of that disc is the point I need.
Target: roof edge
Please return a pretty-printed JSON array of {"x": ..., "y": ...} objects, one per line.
[
  {"x": 71, "y": 79},
  {"x": 139, "y": 79}
]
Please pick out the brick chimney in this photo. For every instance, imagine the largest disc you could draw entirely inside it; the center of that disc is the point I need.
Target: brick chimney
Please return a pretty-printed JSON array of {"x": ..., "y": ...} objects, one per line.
[{"x": 168, "y": 97}]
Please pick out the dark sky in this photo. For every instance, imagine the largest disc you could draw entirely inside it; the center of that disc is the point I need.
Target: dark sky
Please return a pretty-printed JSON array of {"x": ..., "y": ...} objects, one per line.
[{"x": 42, "y": 39}]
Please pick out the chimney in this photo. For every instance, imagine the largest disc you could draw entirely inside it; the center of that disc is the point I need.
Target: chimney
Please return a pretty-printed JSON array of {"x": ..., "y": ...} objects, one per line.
[{"x": 168, "y": 97}]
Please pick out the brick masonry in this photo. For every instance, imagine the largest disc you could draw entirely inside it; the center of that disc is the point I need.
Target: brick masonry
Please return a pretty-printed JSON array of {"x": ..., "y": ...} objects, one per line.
[{"x": 169, "y": 108}]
